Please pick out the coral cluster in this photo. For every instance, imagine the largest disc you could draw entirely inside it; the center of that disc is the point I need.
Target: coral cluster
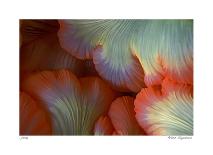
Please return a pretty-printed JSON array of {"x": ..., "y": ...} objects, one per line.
[{"x": 106, "y": 77}]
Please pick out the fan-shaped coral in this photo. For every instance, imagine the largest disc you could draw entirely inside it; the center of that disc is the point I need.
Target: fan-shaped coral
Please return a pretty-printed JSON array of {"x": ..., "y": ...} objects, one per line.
[
  {"x": 122, "y": 115},
  {"x": 107, "y": 42},
  {"x": 165, "y": 114},
  {"x": 165, "y": 48},
  {"x": 74, "y": 105},
  {"x": 41, "y": 50},
  {"x": 34, "y": 119}
]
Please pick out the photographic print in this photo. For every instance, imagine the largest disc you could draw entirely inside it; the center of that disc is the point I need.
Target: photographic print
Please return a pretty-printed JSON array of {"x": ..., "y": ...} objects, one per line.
[{"x": 106, "y": 77}]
